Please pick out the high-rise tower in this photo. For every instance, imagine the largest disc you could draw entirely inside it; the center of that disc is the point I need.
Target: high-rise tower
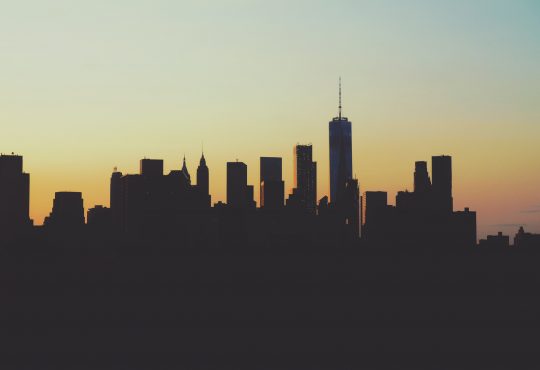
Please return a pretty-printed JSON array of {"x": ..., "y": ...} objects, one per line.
[
  {"x": 340, "y": 154},
  {"x": 272, "y": 187},
  {"x": 202, "y": 176},
  {"x": 239, "y": 193},
  {"x": 14, "y": 196},
  {"x": 441, "y": 170},
  {"x": 203, "y": 181},
  {"x": 304, "y": 193},
  {"x": 422, "y": 184}
]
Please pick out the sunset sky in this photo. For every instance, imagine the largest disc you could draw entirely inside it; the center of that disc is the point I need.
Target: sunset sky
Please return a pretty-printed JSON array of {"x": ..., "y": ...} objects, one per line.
[{"x": 89, "y": 85}]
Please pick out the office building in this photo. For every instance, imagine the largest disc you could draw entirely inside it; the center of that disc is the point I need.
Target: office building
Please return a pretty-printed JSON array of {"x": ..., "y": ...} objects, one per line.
[
  {"x": 495, "y": 241},
  {"x": 422, "y": 183},
  {"x": 304, "y": 194},
  {"x": 441, "y": 171},
  {"x": 67, "y": 213},
  {"x": 151, "y": 167},
  {"x": 340, "y": 154},
  {"x": 272, "y": 186},
  {"x": 14, "y": 196},
  {"x": 239, "y": 194},
  {"x": 203, "y": 182},
  {"x": 115, "y": 198}
]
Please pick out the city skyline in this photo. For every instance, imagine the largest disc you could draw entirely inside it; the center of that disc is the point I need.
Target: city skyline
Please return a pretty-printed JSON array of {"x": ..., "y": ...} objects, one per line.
[{"x": 157, "y": 80}]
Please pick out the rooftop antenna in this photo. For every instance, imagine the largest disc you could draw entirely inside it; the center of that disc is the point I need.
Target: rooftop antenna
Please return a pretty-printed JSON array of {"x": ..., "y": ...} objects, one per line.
[{"x": 340, "y": 98}]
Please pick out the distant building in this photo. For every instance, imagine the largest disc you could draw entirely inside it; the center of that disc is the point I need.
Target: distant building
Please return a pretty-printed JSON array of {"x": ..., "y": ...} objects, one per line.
[
  {"x": 203, "y": 181},
  {"x": 375, "y": 220},
  {"x": 351, "y": 207},
  {"x": 304, "y": 194},
  {"x": 422, "y": 183},
  {"x": 152, "y": 167},
  {"x": 441, "y": 168},
  {"x": 99, "y": 220},
  {"x": 239, "y": 194},
  {"x": 115, "y": 199},
  {"x": 153, "y": 205},
  {"x": 422, "y": 218},
  {"x": 463, "y": 228},
  {"x": 67, "y": 214},
  {"x": 495, "y": 241},
  {"x": 340, "y": 154},
  {"x": 272, "y": 186},
  {"x": 374, "y": 204},
  {"x": 14, "y": 197},
  {"x": 524, "y": 239}
]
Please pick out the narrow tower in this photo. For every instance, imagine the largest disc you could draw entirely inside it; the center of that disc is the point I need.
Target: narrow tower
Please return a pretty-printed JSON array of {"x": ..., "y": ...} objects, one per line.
[
  {"x": 203, "y": 182},
  {"x": 340, "y": 153}
]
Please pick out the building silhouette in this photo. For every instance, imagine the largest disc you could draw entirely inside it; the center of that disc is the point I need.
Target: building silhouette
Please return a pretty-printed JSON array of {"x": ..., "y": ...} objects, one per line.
[
  {"x": 441, "y": 168},
  {"x": 99, "y": 221},
  {"x": 340, "y": 154},
  {"x": 115, "y": 199},
  {"x": 421, "y": 218},
  {"x": 154, "y": 205},
  {"x": 67, "y": 216},
  {"x": 152, "y": 167},
  {"x": 14, "y": 197},
  {"x": 495, "y": 241},
  {"x": 422, "y": 182},
  {"x": 272, "y": 186},
  {"x": 524, "y": 239},
  {"x": 239, "y": 193},
  {"x": 351, "y": 208},
  {"x": 304, "y": 193},
  {"x": 375, "y": 215},
  {"x": 203, "y": 181}
]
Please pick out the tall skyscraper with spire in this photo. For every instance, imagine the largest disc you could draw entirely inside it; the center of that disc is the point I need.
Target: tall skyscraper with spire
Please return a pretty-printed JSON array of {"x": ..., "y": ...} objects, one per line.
[
  {"x": 203, "y": 182},
  {"x": 340, "y": 154}
]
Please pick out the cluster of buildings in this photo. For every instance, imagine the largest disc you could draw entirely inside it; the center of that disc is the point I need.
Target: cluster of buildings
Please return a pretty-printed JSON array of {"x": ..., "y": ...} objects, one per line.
[
  {"x": 154, "y": 205},
  {"x": 522, "y": 239},
  {"x": 424, "y": 216}
]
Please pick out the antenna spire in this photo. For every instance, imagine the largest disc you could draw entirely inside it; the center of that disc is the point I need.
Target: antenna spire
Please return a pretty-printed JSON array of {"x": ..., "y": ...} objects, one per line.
[{"x": 340, "y": 98}]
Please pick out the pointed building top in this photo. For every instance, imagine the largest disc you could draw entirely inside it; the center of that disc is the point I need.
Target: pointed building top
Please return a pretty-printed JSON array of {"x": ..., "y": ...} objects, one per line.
[
  {"x": 185, "y": 170},
  {"x": 340, "y": 97},
  {"x": 203, "y": 160}
]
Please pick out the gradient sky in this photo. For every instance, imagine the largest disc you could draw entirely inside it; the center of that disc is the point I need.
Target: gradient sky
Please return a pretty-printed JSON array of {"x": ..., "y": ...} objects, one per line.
[{"x": 89, "y": 85}]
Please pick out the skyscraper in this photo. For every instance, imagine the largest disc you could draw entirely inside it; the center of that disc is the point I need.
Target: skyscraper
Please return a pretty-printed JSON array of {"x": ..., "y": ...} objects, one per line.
[
  {"x": 351, "y": 207},
  {"x": 68, "y": 211},
  {"x": 272, "y": 187},
  {"x": 115, "y": 201},
  {"x": 340, "y": 154},
  {"x": 422, "y": 183},
  {"x": 305, "y": 178},
  {"x": 151, "y": 167},
  {"x": 203, "y": 182},
  {"x": 441, "y": 170},
  {"x": 14, "y": 195},
  {"x": 239, "y": 194}
]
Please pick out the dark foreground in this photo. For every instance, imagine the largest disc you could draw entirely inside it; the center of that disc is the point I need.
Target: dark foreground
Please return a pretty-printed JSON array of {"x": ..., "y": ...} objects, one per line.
[{"x": 331, "y": 308}]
